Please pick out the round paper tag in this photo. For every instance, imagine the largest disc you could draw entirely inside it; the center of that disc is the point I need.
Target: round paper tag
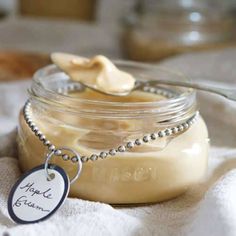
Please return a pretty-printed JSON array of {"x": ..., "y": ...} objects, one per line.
[{"x": 34, "y": 198}]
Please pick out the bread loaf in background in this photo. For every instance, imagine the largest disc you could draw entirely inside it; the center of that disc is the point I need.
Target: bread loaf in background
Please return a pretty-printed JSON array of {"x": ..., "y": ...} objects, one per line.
[{"x": 20, "y": 65}]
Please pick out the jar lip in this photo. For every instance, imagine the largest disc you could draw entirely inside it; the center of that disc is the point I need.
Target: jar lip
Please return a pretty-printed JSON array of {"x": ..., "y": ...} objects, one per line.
[
  {"x": 178, "y": 107},
  {"x": 54, "y": 95}
]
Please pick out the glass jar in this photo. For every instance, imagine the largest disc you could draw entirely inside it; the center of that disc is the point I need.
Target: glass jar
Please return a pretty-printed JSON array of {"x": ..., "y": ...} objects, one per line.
[
  {"x": 89, "y": 123},
  {"x": 154, "y": 30}
]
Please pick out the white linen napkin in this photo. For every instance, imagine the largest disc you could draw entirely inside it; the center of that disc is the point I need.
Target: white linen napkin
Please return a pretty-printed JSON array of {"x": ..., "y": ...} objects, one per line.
[{"x": 206, "y": 209}]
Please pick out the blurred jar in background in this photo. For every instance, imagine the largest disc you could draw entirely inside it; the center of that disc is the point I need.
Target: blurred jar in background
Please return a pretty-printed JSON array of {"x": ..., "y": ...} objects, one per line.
[{"x": 154, "y": 30}]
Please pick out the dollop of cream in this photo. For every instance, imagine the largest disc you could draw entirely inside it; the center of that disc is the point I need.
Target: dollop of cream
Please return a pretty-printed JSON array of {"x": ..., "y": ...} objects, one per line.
[{"x": 98, "y": 73}]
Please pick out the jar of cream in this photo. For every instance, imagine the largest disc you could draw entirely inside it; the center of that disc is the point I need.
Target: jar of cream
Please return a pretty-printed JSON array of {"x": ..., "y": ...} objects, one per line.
[{"x": 145, "y": 147}]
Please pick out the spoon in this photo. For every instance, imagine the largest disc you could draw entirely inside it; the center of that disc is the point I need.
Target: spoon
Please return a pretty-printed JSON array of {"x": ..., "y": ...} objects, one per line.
[{"x": 223, "y": 89}]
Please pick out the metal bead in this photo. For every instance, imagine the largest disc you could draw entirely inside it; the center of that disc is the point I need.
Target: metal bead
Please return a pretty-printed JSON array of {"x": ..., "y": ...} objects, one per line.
[
  {"x": 168, "y": 132},
  {"x": 185, "y": 125},
  {"x": 121, "y": 148},
  {"x": 152, "y": 90},
  {"x": 164, "y": 93},
  {"x": 31, "y": 125},
  {"x": 29, "y": 121},
  {"x": 137, "y": 83},
  {"x": 146, "y": 139},
  {"x": 190, "y": 122},
  {"x": 112, "y": 152},
  {"x": 47, "y": 143},
  {"x": 70, "y": 87},
  {"x": 161, "y": 134},
  {"x": 38, "y": 133},
  {"x": 93, "y": 157},
  {"x": 65, "y": 157},
  {"x": 77, "y": 87},
  {"x": 180, "y": 128},
  {"x": 174, "y": 130},
  {"x": 42, "y": 137},
  {"x": 168, "y": 95},
  {"x": 74, "y": 159},
  {"x": 153, "y": 136},
  {"x": 35, "y": 128},
  {"x": 26, "y": 116},
  {"x": 146, "y": 89},
  {"x": 51, "y": 147},
  {"x": 130, "y": 145},
  {"x": 103, "y": 155},
  {"x": 57, "y": 152},
  {"x": 138, "y": 141},
  {"x": 84, "y": 159}
]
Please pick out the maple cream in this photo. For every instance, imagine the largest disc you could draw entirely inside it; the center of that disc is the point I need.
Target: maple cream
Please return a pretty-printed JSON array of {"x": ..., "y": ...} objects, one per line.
[
  {"x": 91, "y": 122},
  {"x": 98, "y": 72}
]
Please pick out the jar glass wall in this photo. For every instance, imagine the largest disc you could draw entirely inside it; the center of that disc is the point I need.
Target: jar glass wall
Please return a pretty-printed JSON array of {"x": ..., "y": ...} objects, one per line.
[{"x": 89, "y": 123}]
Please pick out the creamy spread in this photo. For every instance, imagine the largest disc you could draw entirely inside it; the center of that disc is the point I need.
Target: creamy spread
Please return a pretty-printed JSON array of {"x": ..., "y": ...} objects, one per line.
[{"x": 98, "y": 73}]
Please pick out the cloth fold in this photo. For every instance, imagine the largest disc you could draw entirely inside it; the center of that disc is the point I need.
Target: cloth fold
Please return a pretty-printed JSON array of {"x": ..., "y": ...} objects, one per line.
[{"x": 208, "y": 208}]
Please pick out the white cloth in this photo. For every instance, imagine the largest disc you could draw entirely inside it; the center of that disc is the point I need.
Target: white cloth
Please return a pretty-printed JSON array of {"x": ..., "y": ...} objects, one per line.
[{"x": 206, "y": 209}]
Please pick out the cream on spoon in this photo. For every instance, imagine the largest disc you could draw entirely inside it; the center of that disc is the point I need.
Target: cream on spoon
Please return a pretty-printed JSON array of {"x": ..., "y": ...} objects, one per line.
[{"x": 98, "y": 73}]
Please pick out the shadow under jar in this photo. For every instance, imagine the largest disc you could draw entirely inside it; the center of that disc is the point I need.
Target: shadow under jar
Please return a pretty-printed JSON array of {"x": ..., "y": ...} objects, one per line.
[{"x": 168, "y": 139}]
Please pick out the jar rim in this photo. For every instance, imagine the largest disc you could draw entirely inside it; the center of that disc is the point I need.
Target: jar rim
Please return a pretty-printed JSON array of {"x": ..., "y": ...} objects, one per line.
[
  {"x": 41, "y": 92},
  {"x": 43, "y": 72}
]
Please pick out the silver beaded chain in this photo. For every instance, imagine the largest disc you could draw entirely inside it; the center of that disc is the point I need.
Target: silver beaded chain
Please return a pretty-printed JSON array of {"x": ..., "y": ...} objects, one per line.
[{"x": 120, "y": 149}]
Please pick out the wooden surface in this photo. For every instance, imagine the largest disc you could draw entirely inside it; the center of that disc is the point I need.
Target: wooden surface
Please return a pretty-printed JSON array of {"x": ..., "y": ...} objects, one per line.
[
  {"x": 66, "y": 9},
  {"x": 20, "y": 65}
]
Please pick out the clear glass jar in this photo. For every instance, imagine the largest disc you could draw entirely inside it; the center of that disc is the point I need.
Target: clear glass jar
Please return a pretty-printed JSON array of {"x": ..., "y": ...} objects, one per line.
[
  {"x": 90, "y": 123},
  {"x": 154, "y": 30}
]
